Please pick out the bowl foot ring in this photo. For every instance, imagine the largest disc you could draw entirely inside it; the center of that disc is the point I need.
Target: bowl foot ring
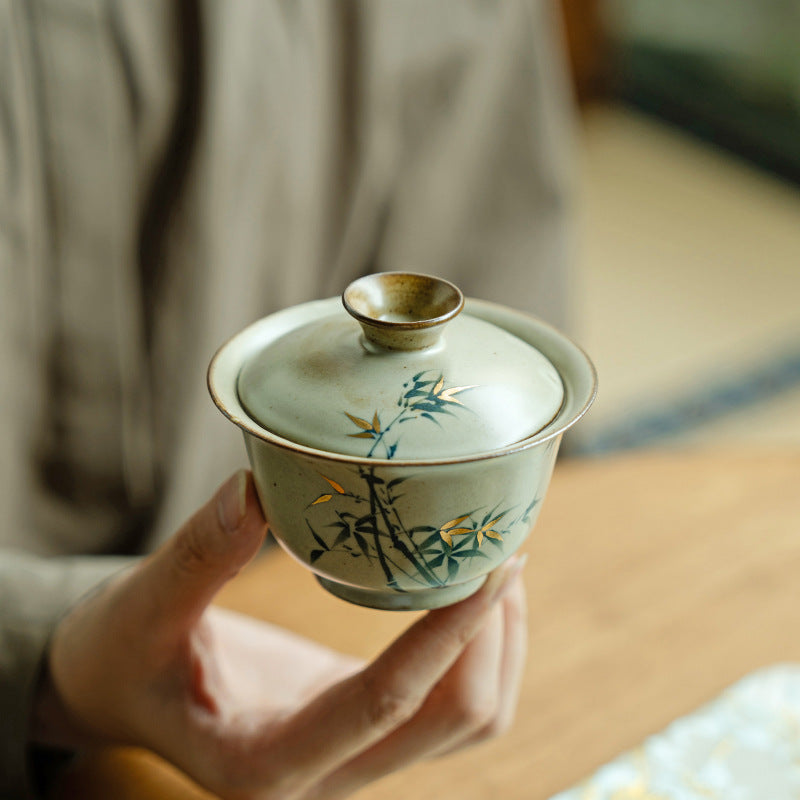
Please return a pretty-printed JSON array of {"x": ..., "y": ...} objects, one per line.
[{"x": 389, "y": 600}]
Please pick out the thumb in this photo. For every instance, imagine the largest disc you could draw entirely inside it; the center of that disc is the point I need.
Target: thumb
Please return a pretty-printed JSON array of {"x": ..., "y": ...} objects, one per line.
[{"x": 185, "y": 574}]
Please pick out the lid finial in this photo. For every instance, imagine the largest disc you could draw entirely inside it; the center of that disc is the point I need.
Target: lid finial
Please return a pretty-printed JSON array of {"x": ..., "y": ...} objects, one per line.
[{"x": 402, "y": 310}]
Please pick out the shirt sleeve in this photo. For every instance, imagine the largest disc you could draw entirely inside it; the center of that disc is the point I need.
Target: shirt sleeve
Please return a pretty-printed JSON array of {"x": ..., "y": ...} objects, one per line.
[{"x": 34, "y": 594}]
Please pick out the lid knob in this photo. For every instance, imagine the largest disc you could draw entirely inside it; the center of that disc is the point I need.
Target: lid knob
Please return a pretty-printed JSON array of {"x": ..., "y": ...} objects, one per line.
[{"x": 402, "y": 310}]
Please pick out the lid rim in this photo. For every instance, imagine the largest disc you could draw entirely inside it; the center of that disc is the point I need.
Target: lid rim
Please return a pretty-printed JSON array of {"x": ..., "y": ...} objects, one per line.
[{"x": 493, "y": 313}]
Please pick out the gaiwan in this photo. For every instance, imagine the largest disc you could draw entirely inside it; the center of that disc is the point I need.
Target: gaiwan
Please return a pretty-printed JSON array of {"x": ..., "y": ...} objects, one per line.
[{"x": 402, "y": 444}]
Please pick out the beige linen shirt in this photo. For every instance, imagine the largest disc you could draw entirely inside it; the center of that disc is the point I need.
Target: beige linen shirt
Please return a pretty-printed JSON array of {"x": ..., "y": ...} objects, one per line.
[{"x": 170, "y": 171}]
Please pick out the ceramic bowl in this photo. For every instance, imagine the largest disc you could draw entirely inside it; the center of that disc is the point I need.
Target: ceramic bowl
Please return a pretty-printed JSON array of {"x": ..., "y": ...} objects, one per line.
[{"x": 380, "y": 464}]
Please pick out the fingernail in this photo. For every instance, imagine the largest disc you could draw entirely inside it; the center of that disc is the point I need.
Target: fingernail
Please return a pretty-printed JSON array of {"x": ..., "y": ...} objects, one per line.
[
  {"x": 232, "y": 503},
  {"x": 498, "y": 583}
]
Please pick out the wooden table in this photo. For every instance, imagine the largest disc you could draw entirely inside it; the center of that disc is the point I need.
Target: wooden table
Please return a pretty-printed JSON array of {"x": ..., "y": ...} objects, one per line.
[{"x": 654, "y": 580}]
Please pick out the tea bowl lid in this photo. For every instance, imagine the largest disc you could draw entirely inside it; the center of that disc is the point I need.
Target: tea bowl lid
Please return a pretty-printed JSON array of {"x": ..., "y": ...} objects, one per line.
[{"x": 402, "y": 375}]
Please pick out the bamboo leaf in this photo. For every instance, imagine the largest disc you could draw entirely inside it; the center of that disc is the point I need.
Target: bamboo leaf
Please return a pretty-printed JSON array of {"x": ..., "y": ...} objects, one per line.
[
  {"x": 436, "y": 562},
  {"x": 439, "y": 385},
  {"x": 446, "y": 537},
  {"x": 447, "y": 394},
  {"x": 317, "y": 538},
  {"x": 315, "y": 554},
  {"x": 343, "y": 536},
  {"x": 453, "y": 522},
  {"x": 376, "y": 423},
  {"x": 452, "y": 567},
  {"x": 362, "y": 543},
  {"x": 433, "y": 538},
  {"x": 362, "y": 423},
  {"x": 472, "y": 552},
  {"x": 494, "y": 535},
  {"x": 363, "y": 435},
  {"x": 490, "y": 524},
  {"x": 322, "y": 499},
  {"x": 426, "y": 406},
  {"x": 422, "y": 529},
  {"x": 335, "y": 485}
]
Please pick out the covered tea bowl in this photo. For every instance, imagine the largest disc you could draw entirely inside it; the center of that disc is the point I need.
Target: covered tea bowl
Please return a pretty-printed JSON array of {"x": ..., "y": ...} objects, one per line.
[{"x": 402, "y": 445}]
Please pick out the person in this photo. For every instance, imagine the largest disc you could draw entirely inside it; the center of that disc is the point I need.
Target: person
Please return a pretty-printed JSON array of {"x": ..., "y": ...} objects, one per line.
[{"x": 170, "y": 172}]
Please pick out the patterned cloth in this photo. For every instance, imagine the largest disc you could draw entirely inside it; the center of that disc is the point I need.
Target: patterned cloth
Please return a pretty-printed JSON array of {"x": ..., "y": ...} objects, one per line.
[{"x": 743, "y": 746}]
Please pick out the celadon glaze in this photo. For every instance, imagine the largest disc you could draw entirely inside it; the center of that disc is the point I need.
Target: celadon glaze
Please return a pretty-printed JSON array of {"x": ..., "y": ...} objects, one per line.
[
  {"x": 399, "y": 384},
  {"x": 387, "y": 530},
  {"x": 397, "y": 537}
]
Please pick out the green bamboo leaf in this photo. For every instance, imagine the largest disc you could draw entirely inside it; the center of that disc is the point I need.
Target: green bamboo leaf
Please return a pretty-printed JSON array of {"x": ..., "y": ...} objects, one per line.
[
  {"x": 473, "y": 551},
  {"x": 432, "y": 539},
  {"x": 452, "y": 567},
  {"x": 433, "y": 408},
  {"x": 395, "y": 482},
  {"x": 342, "y": 537},
  {"x": 422, "y": 529},
  {"x": 498, "y": 543},
  {"x": 317, "y": 538},
  {"x": 315, "y": 554},
  {"x": 362, "y": 543},
  {"x": 436, "y": 562}
]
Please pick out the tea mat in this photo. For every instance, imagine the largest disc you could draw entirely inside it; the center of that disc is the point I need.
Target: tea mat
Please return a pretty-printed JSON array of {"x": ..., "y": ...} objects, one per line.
[{"x": 745, "y": 745}]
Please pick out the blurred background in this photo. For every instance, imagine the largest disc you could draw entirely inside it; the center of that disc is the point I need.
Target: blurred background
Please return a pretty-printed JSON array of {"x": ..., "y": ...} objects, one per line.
[{"x": 687, "y": 287}]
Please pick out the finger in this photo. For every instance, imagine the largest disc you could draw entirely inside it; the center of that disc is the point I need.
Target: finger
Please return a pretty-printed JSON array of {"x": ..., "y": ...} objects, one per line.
[
  {"x": 464, "y": 701},
  {"x": 181, "y": 578},
  {"x": 512, "y": 669},
  {"x": 360, "y": 711}
]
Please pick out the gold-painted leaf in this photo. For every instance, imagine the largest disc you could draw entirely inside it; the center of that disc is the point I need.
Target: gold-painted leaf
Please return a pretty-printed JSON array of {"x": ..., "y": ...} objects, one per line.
[
  {"x": 362, "y": 435},
  {"x": 453, "y": 522},
  {"x": 494, "y": 535},
  {"x": 480, "y": 538},
  {"x": 488, "y": 525},
  {"x": 459, "y": 531},
  {"x": 447, "y": 395},
  {"x": 322, "y": 499},
  {"x": 376, "y": 423},
  {"x": 334, "y": 485},
  {"x": 362, "y": 423},
  {"x": 438, "y": 387},
  {"x": 446, "y": 536}
]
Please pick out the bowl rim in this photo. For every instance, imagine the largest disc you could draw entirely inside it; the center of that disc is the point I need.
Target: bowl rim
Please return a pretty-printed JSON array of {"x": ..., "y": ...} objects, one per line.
[{"x": 230, "y": 406}]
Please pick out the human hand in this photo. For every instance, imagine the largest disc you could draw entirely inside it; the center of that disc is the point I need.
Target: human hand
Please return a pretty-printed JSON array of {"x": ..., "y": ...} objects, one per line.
[{"x": 253, "y": 712}]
